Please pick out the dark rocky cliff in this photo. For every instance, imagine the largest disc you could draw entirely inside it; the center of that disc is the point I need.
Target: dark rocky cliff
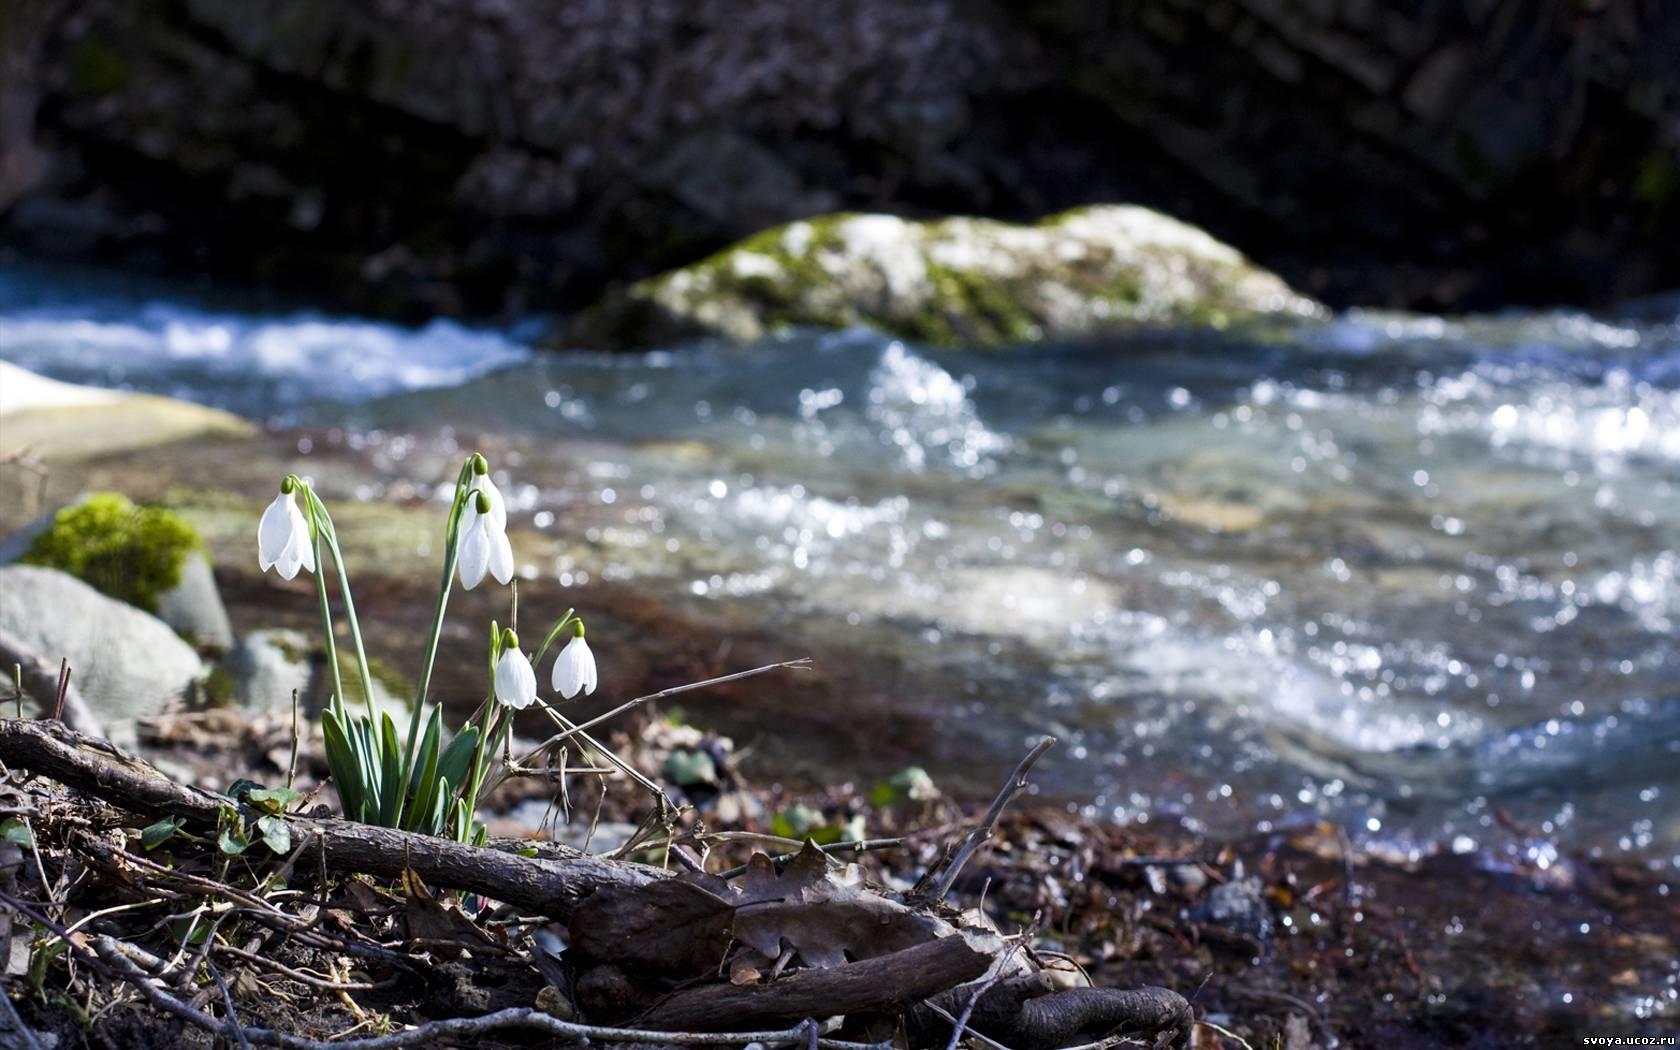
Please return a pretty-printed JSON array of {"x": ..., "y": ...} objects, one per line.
[{"x": 478, "y": 156}]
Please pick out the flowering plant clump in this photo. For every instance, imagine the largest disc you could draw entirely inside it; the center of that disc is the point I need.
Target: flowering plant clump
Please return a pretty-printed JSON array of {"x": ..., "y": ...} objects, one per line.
[{"x": 417, "y": 782}]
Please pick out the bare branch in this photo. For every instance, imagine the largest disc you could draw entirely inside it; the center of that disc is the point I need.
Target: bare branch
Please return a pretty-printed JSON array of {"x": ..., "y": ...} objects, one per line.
[{"x": 1016, "y": 783}]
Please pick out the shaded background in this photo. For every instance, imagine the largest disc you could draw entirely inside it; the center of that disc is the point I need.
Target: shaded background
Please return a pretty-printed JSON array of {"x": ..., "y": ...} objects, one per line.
[{"x": 488, "y": 158}]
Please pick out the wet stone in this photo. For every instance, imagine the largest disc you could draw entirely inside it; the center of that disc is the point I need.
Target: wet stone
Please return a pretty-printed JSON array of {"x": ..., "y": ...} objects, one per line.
[{"x": 1239, "y": 906}]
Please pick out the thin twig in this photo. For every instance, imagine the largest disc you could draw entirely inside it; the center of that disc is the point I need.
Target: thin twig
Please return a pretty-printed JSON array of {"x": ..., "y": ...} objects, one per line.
[
  {"x": 114, "y": 909},
  {"x": 1226, "y": 1032},
  {"x": 63, "y": 688},
  {"x": 1016, "y": 783},
  {"x": 801, "y": 664},
  {"x": 942, "y": 1012},
  {"x": 998, "y": 971},
  {"x": 436, "y": 1032},
  {"x": 291, "y": 767},
  {"x": 1107, "y": 1042},
  {"x": 606, "y": 752},
  {"x": 227, "y": 1001},
  {"x": 863, "y": 846}
]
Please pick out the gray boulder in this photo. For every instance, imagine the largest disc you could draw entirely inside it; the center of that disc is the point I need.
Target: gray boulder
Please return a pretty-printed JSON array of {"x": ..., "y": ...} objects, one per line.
[
  {"x": 264, "y": 668},
  {"x": 261, "y": 671},
  {"x": 127, "y": 664},
  {"x": 194, "y": 606}
]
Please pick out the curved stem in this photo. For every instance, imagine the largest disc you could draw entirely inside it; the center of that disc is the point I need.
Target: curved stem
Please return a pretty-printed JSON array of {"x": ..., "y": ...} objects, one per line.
[
  {"x": 317, "y": 507},
  {"x": 326, "y": 609},
  {"x": 553, "y": 633},
  {"x": 486, "y": 746},
  {"x": 451, "y": 554},
  {"x": 468, "y": 792}
]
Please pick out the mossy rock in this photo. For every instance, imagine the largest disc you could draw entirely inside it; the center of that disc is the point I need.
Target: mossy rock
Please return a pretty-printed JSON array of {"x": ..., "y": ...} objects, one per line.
[
  {"x": 124, "y": 550},
  {"x": 957, "y": 281}
]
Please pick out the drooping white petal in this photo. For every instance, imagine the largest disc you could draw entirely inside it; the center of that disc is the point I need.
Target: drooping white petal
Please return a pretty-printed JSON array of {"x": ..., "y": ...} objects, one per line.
[
  {"x": 475, "y": 552},
  {"x": 501, "y": 556},
  {"x": 274, "y": 531},
  {"x": 589, "y": 676},
  {"x": 291, "y": 559},
  {"x": 300, "y": 536},
  {"x": 516, "y": 682},
  {"x": 574, "y": 669}
]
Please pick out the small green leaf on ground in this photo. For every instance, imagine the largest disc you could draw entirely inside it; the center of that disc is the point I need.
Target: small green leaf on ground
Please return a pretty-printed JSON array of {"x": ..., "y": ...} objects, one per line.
[
  {"x": 272, "y": 800},
  {"x": 13, "y": 829},
  {"x": 157, "y": 834},
  {"x": 275, "y": 833}
]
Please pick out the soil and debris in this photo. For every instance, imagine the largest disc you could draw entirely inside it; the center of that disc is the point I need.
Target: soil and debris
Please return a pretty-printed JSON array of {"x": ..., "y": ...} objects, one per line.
[{"x": 141, "y": 909}]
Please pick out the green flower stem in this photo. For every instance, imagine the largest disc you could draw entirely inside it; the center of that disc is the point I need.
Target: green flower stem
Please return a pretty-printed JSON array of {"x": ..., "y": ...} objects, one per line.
[
  {"x": 326, "y": 609},
  {"x": 488, "y": 711},
  {"x": 318, "y": 508},
  {"x": 494, "y": 726},
  {"x": 553, "y": 633},
  {"x": 451, "y": 554}
]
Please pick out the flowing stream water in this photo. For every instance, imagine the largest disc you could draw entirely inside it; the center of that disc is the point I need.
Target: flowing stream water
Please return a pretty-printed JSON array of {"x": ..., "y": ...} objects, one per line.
[{"x": 1418, "y": 575}]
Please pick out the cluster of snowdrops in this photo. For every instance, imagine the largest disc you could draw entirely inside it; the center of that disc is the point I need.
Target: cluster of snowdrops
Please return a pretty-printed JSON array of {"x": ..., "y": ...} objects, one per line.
[{"x": 419, "y": 781}]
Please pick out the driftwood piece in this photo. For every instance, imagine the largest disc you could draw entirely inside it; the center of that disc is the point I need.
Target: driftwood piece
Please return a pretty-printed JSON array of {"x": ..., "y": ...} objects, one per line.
[
  {"x": 1029, "y": 1013},
  {"x": 551, "y": 886},
  {"x": 886, "y": 982}
]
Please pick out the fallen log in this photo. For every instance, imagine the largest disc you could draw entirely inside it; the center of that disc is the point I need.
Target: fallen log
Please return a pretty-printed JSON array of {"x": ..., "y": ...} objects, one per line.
[
  {"x": 553, "y": 885},
  {"x": 1030, "y": 1013}
]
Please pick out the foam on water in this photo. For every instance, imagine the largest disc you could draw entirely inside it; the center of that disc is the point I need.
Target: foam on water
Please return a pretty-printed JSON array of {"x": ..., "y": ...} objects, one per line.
[{"x": 250, "y": 363}]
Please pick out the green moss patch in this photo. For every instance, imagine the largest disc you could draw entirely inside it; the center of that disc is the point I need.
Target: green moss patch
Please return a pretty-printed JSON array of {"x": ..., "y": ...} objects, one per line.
[{"x": 130, "y": 552}]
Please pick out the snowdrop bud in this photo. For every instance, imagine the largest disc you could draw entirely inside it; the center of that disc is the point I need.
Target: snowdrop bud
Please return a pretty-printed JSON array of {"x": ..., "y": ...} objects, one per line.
[{"x": 480, "y": 465}]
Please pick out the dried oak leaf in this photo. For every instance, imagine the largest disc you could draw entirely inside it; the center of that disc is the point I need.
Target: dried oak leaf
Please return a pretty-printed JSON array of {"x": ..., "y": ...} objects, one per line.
[
  {"x": 825, "y": 920},
  {"x": 683, "y": 926},
  {"x": 438, "y": 922}
]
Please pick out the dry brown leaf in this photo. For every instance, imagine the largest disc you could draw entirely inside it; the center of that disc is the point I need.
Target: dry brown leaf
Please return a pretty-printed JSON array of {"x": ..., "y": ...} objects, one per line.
[
  {"x": 434, "y": 921},
  {"x": 683, "y": 926},
  {"x": 747, "y": 967}
]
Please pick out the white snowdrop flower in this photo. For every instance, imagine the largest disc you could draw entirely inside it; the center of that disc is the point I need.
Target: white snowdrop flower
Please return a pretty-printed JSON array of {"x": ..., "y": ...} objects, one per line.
[
  {"x": 484, "y": 541},
  {"x": 574, "y": 668},
  {"x": 283, "y": 538},
  {"x": 516, "y": 682}
]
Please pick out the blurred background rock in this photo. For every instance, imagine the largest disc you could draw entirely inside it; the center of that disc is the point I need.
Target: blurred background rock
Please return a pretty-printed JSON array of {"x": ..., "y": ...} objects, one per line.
[{"x": 491, "y": 158}]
